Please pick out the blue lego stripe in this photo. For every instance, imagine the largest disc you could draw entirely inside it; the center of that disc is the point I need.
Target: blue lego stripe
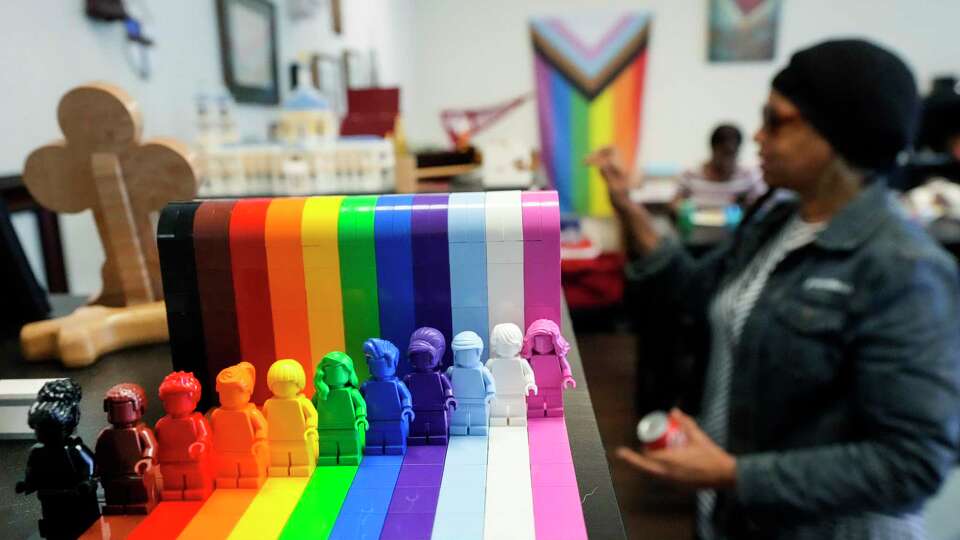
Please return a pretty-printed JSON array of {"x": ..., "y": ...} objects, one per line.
[
  {"x": 460, "y": 508},
  {"x": 365, "y": 507},
  {"x": 468, "y": 264},
  {"x": 395, "y": 273}
]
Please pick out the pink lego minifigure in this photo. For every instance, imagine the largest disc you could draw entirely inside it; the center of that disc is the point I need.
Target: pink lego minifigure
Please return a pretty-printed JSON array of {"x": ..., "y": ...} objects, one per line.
[
  {"x": 184, "y": 439},
  {"x": 546, "y": 350}
]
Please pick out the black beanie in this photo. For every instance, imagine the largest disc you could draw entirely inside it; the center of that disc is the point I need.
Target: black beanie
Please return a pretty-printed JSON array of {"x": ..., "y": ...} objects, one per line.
[{"x": 861, "y": 98}]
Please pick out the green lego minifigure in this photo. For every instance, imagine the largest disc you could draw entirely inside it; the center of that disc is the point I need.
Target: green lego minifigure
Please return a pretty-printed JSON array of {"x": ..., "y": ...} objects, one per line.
[{"x": 342, "y": 412}]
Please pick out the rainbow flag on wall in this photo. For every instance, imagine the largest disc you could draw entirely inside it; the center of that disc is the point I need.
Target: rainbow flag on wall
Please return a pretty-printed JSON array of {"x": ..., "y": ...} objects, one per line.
[{"x": 590, "y": 70}]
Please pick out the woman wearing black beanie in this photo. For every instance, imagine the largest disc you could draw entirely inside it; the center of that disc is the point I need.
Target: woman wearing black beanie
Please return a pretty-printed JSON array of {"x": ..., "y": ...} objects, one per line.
[{"x": 831, "y": 402}]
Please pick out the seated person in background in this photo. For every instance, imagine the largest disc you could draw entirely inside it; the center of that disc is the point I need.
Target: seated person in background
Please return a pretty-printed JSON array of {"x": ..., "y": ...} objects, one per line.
[{"x": 719, "y": 181}]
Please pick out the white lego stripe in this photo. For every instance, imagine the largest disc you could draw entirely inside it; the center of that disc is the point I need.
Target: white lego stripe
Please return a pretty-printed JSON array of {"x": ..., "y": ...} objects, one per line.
[
  {"x": 509, "y": 505},
  {"x": 504, "y": 228}
]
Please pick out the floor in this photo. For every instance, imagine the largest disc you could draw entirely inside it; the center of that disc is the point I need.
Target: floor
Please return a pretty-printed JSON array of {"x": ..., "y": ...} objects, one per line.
[{"x": 649, "y": 510}]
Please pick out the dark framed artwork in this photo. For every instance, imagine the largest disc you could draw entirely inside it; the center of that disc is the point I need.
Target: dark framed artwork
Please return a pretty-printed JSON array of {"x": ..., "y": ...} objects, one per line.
[{"x": 248, "y": 48}]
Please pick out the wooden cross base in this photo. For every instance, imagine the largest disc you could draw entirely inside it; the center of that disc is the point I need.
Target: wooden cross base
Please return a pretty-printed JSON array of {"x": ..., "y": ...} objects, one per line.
[{"x": 91, "y": 331}]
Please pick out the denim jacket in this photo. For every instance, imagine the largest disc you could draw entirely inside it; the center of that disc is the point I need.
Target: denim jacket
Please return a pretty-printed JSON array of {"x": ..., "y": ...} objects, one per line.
[{"x": 845, "y": 397}]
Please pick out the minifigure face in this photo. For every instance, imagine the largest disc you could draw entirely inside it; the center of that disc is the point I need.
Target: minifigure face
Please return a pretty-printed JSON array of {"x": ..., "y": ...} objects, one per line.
[
  {"x": 542, "y": 344},
  {"x": 178, "y": 404},
  {"x": 285, "y": 390},
  {"x": 379, "y": 367},
  {"x": 233, "y": 397},
  {"x": 336, "y": 376},
  {"x": 467, "y": 358},
  {"x": 422, "y": 361},
  {"x": 122, "y": 413}
]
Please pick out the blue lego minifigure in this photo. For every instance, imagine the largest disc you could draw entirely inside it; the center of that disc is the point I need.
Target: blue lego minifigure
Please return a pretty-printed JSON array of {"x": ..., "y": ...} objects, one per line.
[
  {"x": 431, "y": 390},
  {"x": 389, "y": 404},
  {"x": 473, "y": 386}
]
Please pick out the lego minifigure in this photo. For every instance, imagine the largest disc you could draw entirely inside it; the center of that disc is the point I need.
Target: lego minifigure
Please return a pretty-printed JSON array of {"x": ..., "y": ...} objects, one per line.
[
  {"x": 341, "y": 411},
  {"x": 239, "y": 430},
  {"x": 60, "y": 466},
  {"x": 513, "y": 375},
  {"x": 547, "y": 351},
  {"x": 430, "y": 389},
  {"x": 184, "y": 440},
  {"x": 126, "y": 453},
  {"x": 292, "y": 420},
  {"x": 473, "y": 385},
  {"x": 389, "y": 404}
]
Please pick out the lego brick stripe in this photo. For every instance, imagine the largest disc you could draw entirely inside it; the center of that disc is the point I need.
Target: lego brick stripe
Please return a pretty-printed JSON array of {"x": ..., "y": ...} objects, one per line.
[
  {"x": 468, "y": 264},
  {"x": 320, "y": 244},
  {"x": 285, "y": 272},
  {"x": 167, "y": 520},
  {"x": 413, "y": 504},
  {"x": 320, "y": 503},
  {"x": 461, "y": 505},
  {"x": 431, "y": 266},
  {"x": 268, "y": 512},
  {"x": 395, "y": 273},
  {"x": 252, "y": 288},
  {"x": 557, "y": 510},
  {"x": 365, "y": 507},
  {"x": 219, "y": 514},
  {"x": 182, "y": 295},
  {"x": 211, "y": 246},
  {"x": 509, "y": 493},
  {"x": 111, "y": 527},
  {"x": 504, "y": 234},
  {"x": 358, "y": 276},
  {"x": 541, "y": 255}
]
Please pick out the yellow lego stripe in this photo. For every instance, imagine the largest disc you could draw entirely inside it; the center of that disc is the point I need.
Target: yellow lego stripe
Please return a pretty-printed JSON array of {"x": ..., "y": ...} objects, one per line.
[
  {"x": 321, "y": 272},
  {"x": 268, "y": 513}
]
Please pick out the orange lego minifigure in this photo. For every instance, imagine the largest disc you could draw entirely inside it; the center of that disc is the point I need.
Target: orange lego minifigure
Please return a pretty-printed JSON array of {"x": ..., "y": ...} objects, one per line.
[
  {"x": 239, "y": 430},
  {"x": 293, "y": 421},
  {"x": 184, "y": 440}
]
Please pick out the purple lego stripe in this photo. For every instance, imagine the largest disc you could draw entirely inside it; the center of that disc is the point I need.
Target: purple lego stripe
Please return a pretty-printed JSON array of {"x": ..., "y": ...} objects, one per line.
[
  {"x": 413, "y": 506},
  {"x": 431, "y": 266}
]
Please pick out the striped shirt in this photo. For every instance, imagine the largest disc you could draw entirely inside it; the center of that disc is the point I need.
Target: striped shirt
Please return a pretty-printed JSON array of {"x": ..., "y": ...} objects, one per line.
[
  {"x": 745, "y": 184},
  {"x": 728, "y": 313}
]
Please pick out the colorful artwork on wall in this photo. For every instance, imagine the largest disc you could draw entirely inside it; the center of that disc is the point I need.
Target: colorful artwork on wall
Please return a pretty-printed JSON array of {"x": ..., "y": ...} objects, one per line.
[
  {"x": 743, "y": 30},
  {"x": 590, "y": 70}
]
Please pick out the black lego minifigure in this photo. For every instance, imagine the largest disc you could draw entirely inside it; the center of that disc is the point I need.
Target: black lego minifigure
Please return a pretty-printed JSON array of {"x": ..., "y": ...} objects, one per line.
[{"x": 60, "y": 466}]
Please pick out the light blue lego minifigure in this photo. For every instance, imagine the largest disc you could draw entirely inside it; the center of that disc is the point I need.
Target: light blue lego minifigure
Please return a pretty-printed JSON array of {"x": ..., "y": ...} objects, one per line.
[
  {"x": 473, "y": 386},
  {"x": 389, "y": 405}
]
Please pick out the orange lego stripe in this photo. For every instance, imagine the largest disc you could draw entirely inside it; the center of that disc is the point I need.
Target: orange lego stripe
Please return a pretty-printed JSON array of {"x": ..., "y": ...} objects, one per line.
[{"x": 218, "y": 515}]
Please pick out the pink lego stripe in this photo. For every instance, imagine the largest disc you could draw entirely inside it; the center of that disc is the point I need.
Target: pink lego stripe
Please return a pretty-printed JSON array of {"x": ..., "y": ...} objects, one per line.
[
  {"x": 541, "y": 256},
  {"x": 557, "y": 510}
]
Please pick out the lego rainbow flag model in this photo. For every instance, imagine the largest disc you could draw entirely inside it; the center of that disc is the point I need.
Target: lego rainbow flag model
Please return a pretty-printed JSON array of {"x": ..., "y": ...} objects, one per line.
[
  {"x": 430, "y": 327},
  {"x": 590, "y": 70}
]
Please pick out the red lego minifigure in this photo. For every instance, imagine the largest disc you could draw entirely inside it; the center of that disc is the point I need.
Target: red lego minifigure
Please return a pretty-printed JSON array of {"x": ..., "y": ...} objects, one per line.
[
  {"x": 239, "y": 430},
  {"x": 126, "y": 453},
  {"x": 185, "y": 442}
]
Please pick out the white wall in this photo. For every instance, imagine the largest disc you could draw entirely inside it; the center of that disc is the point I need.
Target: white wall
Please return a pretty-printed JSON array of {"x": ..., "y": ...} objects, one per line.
[
  {"x": 49, "y": 46},
  {"x": 471, "y": 53}
]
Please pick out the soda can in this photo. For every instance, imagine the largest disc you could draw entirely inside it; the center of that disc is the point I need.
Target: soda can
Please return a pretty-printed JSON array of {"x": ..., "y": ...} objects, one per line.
[{"x": 658, "y": 431}]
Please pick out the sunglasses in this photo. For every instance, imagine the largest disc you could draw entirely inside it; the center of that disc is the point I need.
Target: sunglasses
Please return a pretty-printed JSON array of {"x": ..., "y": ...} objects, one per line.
[{"x": 772, "y": 122}]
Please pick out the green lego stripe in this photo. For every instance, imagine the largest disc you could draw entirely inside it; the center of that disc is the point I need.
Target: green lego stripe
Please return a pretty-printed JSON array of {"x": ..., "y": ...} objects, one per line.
[
  {"x": 319, "y": 505},
  {"x": 579, "y": 132},
  {"x": 358, "y": 277}
]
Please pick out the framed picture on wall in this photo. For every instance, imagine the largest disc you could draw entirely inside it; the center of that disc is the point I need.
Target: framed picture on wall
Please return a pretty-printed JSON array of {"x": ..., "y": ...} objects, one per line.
[
  {"x": 326, "y": 72},
  {"x": 248, "y": 48}
]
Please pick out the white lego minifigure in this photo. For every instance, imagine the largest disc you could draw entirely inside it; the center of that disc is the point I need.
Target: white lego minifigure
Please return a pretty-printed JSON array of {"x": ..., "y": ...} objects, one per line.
[{"x": 513, "y": 376}]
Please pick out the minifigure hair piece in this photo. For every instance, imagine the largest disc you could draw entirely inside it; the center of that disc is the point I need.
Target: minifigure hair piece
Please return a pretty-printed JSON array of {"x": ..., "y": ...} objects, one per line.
[
  {"x": 286, "y": 370},
  {"x": 545, "y": 327},
  {"x": 180, "y": 382},
  {"x": 242, "y": 376},
  {"x": 58, "y": 402},
  {"x": 381, "y": 348},
  {"x": 506, "y": 340},
  {"x": 467, "y": 340},
  {"x": 119, "y": 393},
  {"x": 332, "y": 360},
  {"x": 428, "y": 340}
]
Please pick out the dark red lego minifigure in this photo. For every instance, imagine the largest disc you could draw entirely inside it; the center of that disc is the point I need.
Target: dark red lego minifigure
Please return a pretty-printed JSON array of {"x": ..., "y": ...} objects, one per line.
[
  {"x": 126, "y": 453},
  {"x": 60, "y": 466},
  {"x": 185, "y": 441}
]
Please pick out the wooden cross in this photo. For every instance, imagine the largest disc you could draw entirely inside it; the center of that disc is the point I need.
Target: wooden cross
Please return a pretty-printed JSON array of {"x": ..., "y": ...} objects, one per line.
[{"x": 102, "y": 166}]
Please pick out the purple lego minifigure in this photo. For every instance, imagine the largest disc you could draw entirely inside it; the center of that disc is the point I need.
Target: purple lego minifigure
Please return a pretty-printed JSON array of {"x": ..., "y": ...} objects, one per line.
[
  {"x": 431, "y": 390},
  {"x": 389, "y": 404},
  {"x": 547, "y": 351}
]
